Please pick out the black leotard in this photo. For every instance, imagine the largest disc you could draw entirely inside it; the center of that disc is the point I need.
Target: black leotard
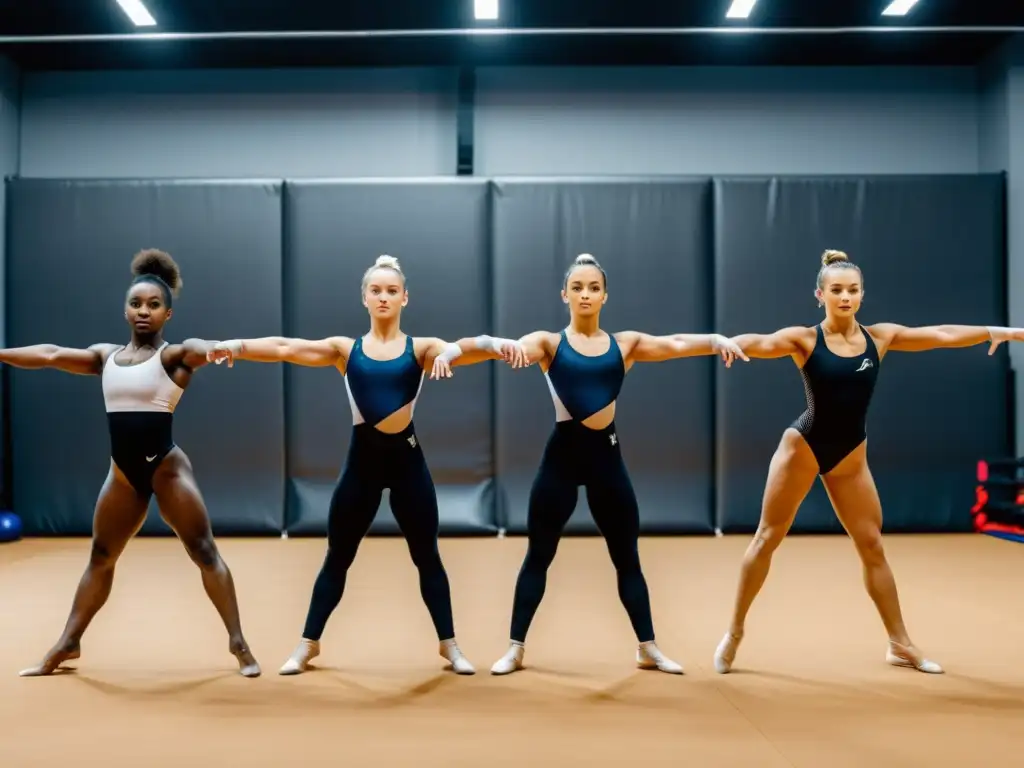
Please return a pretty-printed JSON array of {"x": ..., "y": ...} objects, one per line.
[{"x": 838, "y": 392}]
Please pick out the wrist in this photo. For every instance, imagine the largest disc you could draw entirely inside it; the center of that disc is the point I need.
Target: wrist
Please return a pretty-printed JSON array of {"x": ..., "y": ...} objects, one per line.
[
  {"x": 488, "y": 343},
  {"x": 450, "y": 351}
]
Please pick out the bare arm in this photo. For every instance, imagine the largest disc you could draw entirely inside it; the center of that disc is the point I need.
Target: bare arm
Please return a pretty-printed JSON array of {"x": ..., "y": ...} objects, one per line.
[
  {"x": 900, "y": 338},
  {"x": 279, "y": 349},
  {"x": 537, "y": 346},
  {"x": 645, "y": 348},
  {"x": 441, "y": 356},
  {"x": 785, "y": 342},
  {"x": 84, "y": 362},
  {"x": 191, "y": 353}
]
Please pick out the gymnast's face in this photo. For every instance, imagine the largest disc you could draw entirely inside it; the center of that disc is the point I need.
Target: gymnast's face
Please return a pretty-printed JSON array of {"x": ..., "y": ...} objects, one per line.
[
  {"x": 385, "y": 294},
  {"x": 145, "y": 308},
  {"x": 841, "y": 292},
  {"x": 584, "y": 291}
]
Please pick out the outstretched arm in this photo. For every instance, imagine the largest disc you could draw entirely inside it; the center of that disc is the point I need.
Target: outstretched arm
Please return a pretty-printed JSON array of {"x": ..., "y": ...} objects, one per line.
[
  {"x": 644, "y": 348},
  {"x": 191, "y": 353},
  {"x": 900, "y": 338},
  {"x": 279, "y": 349},
  {"x": 84, "y": 362},
  {"x": 785, "y": 342},
  {"x": 442, "y": 356}
]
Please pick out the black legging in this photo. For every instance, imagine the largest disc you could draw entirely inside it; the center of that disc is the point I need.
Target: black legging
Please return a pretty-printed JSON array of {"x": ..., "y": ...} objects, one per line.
[
  {"x": 575, "y": 456},
  {"x": 377, "y": 461}
]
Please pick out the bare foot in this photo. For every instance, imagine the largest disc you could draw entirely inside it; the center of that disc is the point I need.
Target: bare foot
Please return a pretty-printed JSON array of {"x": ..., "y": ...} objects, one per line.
[{"x": 52, "y": 661}]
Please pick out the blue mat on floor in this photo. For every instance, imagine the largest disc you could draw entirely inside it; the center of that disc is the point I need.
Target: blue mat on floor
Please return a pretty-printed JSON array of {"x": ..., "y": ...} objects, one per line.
[{"x": 1008, "y": 536}]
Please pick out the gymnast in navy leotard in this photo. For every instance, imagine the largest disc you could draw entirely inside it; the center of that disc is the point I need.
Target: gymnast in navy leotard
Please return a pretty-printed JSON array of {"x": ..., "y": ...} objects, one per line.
[
  {"x": 839, "y": 361},
  {"x": 142, "y": 384},
  {"x": 585, "y": 367},
  {"x": 383, "y": 372}
]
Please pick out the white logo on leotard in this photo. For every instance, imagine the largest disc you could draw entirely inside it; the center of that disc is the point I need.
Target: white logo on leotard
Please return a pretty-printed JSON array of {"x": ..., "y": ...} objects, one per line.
[
  {"x": 412, "y": 441},
  {"x": 150, "y": 458},
  {"x": 613, "y": 438},
  {"x": 864, "y": 365}
]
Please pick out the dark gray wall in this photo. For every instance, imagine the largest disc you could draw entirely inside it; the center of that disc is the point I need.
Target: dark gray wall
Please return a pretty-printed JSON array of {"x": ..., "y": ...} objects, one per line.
[
  {"x": 726, "y": 120},
  {"x": 439, "y": 232},
  {"x": 654, "y": 239},
  {"x": 10, "y": 124},
  {"x": 10, "y": 151},
  {"x": 528, "y": 121},
  {"x": 593, "y": 121},
  {"x": 933, "y": 415},
  {"x": 70, "y": 248},
  {"x": 282, "y": 123}
]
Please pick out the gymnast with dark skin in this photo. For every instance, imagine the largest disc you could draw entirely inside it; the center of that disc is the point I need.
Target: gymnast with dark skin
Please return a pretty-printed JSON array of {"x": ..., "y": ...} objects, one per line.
[
  {"x": 839, "y": 361},
  {"x": 142, "y": 384}
]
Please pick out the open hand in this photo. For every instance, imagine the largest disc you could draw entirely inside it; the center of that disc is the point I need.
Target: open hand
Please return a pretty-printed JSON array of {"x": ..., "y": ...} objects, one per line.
[{"x": 442, "y": 368}]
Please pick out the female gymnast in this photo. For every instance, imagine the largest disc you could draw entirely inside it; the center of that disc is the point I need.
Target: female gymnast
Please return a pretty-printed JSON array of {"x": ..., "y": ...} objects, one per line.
[
  {"x": 383, "y": 373},
  {"x": 142, "y": 384},
  {"x": 839, "y": 360},
  {"x": 585, "y": 367}
]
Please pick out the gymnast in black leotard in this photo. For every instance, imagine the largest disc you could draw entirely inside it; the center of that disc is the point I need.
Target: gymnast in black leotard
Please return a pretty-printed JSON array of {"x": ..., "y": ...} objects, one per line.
[{"x": 839, "y": 360}]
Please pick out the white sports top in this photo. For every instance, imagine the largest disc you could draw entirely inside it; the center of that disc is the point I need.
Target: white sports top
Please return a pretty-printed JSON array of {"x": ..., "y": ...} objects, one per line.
[{"x": 139, "y": 387}]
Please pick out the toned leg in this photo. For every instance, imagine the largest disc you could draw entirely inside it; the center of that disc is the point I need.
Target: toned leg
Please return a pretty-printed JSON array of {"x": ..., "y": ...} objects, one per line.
[
  {"x": 119, "y": 514},
  {"x": 182, "y": 506},
  {"x": 791, "y": 475},
  {"x": 851, "y": 488}
]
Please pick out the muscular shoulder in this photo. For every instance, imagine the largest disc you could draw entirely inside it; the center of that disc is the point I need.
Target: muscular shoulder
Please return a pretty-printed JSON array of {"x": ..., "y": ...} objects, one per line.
[
  {"x": 424, "y": 347},
  {"x": 342, "y": 344},
  {"x": 802, "y": 336},
  {"x": 103, "y": 351},
  {"x": 549, "y": 339},
  {"x": 883, "y": 332}
]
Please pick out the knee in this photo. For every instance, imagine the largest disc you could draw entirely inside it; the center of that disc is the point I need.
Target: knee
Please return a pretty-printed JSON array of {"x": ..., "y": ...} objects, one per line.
[
  {"x": 766, "y": 540},
  {"x": 869, "y": 547},
  {"x": 338, "y": 560},
  {"x": 626, "y": 559},
  {"x": 203, "y": 552},
  {"x": 426, "y": 558},
  {"x": 101, "y": 557},
  {"x": 540, "y": 555}
]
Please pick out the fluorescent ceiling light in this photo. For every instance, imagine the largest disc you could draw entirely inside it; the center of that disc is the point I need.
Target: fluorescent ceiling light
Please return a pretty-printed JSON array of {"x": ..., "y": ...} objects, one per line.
[
  {"x": 137, "y": 13},
  {"x": 899, "y": 7},
  {"x": 485, "y": 10},
  {"x": 740, "y": 9}
]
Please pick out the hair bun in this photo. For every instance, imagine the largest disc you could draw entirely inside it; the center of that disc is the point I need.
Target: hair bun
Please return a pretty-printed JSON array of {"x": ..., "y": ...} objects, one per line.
[
  {"x": 585, "y": 258},
  {"x": 830, "y": 257},
  {"x": 388, "y": 262},
  {"x": 159, "y": 264}
]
